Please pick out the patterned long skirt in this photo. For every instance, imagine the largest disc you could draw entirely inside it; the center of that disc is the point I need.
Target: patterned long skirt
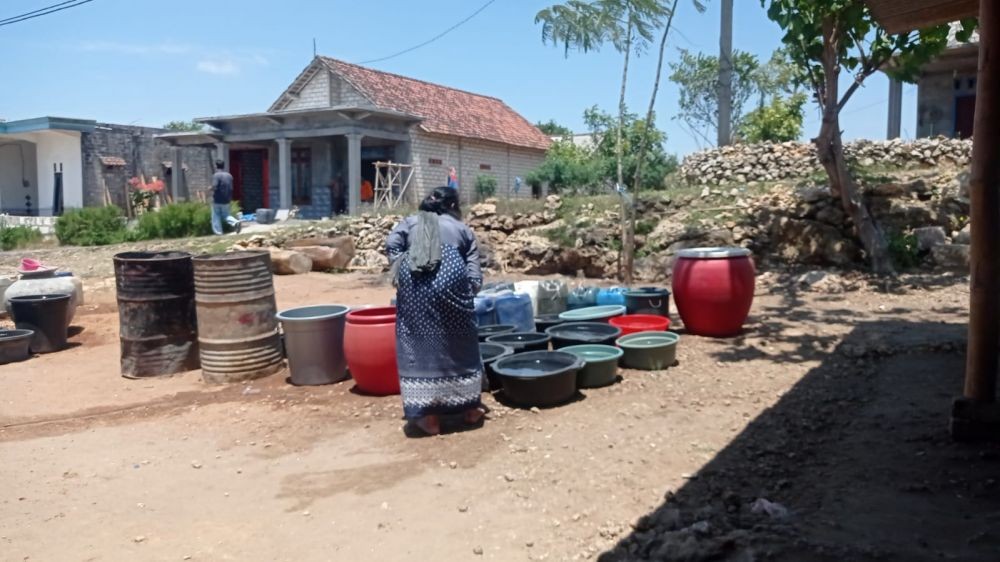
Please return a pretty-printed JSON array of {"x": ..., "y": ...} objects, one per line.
[{"x": 437, "y": 347}]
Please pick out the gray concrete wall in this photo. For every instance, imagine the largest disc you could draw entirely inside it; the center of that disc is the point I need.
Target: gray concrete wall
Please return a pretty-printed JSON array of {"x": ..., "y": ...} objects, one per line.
[
  {"x": 433, "y": 155},
  {"x": 936, "y": 102},
  {"x": 143, "y": 155}
]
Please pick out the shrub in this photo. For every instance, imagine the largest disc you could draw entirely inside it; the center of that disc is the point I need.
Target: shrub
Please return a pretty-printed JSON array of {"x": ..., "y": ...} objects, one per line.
[
  {"x": 91, "y": 226},
  {"x": 486, "y": 186},
  {"x": 177, "y": 220},
  {"x": 903, "y": 250},
  {"x": 14, "y": 237}
]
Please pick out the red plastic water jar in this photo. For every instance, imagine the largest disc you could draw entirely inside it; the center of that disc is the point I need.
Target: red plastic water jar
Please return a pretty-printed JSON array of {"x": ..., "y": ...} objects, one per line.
[
  {"x": 635, "y": 323},
  {"x": 713, "y": 290},
  {"x": 370, "y": 350}
]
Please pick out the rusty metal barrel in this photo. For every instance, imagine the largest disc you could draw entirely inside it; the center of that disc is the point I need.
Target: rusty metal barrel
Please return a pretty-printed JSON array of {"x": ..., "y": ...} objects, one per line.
[
  {"x": 237, "y": 318},
  {"x": 156, "y": 313}
]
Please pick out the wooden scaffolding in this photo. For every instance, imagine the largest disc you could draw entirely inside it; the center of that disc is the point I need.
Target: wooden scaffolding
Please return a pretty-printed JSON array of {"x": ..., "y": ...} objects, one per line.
[{"x": 391, "y": 181}]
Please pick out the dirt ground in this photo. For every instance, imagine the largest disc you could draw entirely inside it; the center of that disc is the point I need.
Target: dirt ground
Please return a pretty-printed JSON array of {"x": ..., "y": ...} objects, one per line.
[{"x": 832, "y": 406}]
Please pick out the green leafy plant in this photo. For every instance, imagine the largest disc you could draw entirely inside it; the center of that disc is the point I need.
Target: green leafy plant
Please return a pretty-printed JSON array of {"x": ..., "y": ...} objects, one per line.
[
  {"x": 14, "y": 237},
  {"x": 177, "y": 220},
  {"x": 486, "y": 186},
  {"x": 903, "y": 250},
  {"x": 91, "y": 226},
  {"x": 779, "y": 121}
]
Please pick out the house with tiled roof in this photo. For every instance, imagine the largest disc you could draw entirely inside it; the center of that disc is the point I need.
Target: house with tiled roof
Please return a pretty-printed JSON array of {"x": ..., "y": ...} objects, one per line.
[{"x": 337, "y": 120}]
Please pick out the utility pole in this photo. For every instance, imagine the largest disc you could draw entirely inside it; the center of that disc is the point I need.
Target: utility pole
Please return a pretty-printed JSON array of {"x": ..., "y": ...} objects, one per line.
[{"x": 726, "y": 74}]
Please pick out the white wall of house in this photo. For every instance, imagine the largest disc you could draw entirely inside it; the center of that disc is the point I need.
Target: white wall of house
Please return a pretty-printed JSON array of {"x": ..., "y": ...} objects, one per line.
[
  {"x": 17, "y": 163},
  {"x": 56, "y": 147},
  {"x": 433, "y": 155}
]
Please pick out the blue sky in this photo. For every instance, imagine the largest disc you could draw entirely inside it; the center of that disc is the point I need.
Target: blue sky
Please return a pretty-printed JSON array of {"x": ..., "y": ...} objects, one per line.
[{"x": 148, "y": 62}]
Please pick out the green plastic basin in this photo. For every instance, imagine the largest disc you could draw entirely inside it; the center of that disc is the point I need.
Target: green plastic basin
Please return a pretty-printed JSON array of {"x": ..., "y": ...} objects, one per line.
[
  {"x": 593, "y": 313},
  {"x": 601, "y": 364},
  {"x": 649, "y": 351}
]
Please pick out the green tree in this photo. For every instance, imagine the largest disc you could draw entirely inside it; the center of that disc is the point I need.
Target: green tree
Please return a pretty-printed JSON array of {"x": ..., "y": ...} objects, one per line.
[
  {"x": 183, "y": 126},
  {"x": 567, "y": 167},
  {"x": 553, "y": 129},
  {"x": 697, "y": 78},
  {"x": 779, "y": 121},
  {"x": 650, "y": 168},
  {"x": 628, "y": 25},
  {"x": 828, "y": 37}
]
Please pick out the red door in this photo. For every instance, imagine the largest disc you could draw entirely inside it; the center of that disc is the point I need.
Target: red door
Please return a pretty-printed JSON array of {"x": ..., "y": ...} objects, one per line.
[{"x": 965, "y": 116}]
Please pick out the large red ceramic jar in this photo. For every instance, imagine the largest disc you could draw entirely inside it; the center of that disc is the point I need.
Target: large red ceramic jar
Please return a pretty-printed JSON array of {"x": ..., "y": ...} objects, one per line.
[
  {"x": 370, "y": 350},
  {"x": 713, "y": 290}
]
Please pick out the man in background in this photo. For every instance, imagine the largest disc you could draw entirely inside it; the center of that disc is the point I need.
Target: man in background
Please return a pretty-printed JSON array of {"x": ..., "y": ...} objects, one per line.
[{"x": 222, "y": 196}]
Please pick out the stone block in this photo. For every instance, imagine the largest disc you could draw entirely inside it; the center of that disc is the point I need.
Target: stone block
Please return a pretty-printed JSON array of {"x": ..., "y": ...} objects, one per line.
[
  {"x": 929, "y": 236},
  {"x": 951, "y": 256}
]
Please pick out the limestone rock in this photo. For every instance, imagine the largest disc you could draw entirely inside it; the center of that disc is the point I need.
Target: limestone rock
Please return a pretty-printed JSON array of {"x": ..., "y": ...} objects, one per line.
[
  {"x": 929, "y": 236},
  {"x": 951, "y": 256}
]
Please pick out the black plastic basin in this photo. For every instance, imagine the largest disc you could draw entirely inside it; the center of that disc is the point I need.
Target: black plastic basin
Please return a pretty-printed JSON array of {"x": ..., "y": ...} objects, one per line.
[
  {"x": 45, "y": 315},
  {"x": 545, "y": 321},
  {"x": 494, "y": 329},
  {"x": 490, "y": 353},
  {"x": 538, "y": 378},
  {"x": 14, "y": 345},
  {"x": 522, "y": 341},
  {"x": 580, "y": 333}
]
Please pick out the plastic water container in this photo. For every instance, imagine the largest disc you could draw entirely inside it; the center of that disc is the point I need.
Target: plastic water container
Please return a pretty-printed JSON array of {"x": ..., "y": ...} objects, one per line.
[
  {"x": 529, "y": 288},
  {"x": 614, "y": 295},
  {"x": 552, "y": 295},
  {"x": 581, "y": 297},
  {"x": 515, "y": 309},
  {"x": 486, "y": 311}
]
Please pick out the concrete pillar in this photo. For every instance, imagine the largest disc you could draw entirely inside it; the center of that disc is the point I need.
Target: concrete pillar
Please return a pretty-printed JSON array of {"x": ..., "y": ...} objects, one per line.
[
  {"x": 726, "y": 74},
  {"x": 221, "y": 153},
  {"x": 895, "y": 124},
  {"x": 353, "y": 172},
  {"x": 285, "y": 173},
  {"x": 177, "y": 175}
]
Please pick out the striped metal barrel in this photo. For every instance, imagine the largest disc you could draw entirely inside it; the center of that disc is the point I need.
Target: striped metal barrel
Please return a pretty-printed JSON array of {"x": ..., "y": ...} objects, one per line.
[
  {"x": 156, "y": 313},
  {"x": 237, "y": 318}
]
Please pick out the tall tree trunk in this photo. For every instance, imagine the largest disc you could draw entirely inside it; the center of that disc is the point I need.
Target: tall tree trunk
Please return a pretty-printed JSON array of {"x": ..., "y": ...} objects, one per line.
[
  {"x": 629, "y": 245},
  {"x": 619, "y": 150},
  {"x": 830, "y": 151}
]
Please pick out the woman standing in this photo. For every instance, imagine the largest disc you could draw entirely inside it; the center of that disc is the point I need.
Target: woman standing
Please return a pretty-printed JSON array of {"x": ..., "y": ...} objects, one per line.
[{"x": 435, "y": 267}]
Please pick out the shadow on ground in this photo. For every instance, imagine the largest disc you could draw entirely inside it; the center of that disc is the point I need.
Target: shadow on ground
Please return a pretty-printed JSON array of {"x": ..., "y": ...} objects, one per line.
[{"x": 853, "y": 463}]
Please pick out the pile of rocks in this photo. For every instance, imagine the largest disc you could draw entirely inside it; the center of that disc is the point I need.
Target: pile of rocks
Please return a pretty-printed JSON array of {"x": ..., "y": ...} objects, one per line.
[{"x": 777, "y": 161}]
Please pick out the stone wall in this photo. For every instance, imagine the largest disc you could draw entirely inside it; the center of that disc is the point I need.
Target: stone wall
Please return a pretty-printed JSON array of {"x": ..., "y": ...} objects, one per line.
[
  {"x": 743, "y": 163},
  {"x": 142, "y": 155}
]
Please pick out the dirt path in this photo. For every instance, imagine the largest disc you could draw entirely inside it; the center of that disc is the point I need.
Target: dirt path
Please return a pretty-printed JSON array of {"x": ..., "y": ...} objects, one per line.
[{"x": 833, "y": 406}]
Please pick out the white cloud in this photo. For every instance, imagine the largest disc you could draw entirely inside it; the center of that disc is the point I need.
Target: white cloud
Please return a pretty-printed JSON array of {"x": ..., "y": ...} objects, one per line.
[{"x": 218, "y": 66}]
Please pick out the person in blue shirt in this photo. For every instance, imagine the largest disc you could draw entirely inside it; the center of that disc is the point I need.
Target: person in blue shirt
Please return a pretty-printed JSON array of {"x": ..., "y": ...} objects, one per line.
[{"x": 222, "y": 196}]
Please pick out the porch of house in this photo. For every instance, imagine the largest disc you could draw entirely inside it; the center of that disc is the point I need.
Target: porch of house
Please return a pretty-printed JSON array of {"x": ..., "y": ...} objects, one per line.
[
  {"x": 290, "y": 159},
  {"x": 41, "y": 165}
]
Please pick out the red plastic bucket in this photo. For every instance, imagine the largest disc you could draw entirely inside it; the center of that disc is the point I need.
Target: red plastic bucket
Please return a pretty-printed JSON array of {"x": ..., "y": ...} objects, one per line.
[
  {"x": 634, "y": 323},
  {"x": 370, "y": 349}
]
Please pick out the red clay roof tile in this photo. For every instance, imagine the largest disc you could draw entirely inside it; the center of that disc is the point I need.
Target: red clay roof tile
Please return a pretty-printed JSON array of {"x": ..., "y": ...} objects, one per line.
[{"x": 444, "y": 110}]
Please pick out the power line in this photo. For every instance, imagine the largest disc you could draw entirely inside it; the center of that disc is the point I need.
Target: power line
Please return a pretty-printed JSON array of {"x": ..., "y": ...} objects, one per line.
[
  {"x": 43, "y": 11},
  {"x": 38, "y": 10},
  {"x": 432, "y": 39}
]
